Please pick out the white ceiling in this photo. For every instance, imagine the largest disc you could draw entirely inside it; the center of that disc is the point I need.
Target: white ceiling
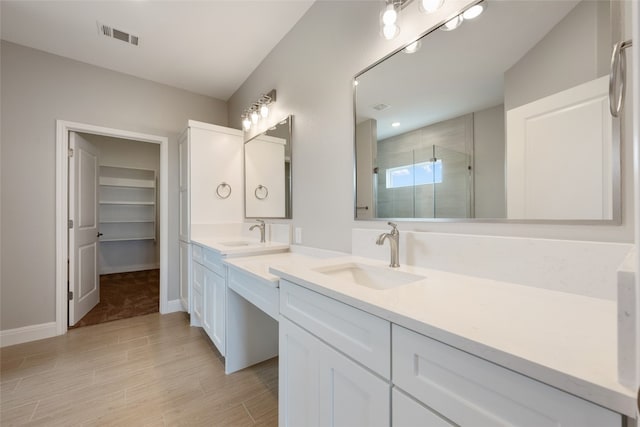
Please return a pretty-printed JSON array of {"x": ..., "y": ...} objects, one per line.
[{"x": 207, "y": 46}]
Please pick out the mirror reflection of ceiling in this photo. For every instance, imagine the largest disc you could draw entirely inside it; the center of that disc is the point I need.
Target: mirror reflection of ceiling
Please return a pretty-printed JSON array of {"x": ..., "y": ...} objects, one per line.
[{"x": 492, "y": 44}]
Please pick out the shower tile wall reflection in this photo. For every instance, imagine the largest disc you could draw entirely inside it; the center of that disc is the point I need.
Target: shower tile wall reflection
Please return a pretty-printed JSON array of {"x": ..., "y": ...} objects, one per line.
[{"x": 443, "y": 150}]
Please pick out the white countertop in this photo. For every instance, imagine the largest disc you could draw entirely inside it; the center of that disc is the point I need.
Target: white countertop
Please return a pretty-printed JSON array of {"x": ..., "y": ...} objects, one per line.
[
  {"x": 565, "y": 340},
  {"x": 229, "y": 247},
  {"x": 258, "y": 266}
]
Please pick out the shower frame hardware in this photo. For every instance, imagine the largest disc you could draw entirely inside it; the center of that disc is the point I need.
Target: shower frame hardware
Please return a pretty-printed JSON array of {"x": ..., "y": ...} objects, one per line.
[
  {"x": 618, "y": 71},
  {"x": 223, "y": 185}
]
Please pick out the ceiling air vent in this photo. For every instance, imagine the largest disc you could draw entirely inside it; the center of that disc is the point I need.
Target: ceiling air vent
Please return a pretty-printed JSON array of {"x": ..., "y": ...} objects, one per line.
[
  {"x": 114, "y": 33},
  {"x": 380, "y": 107}
]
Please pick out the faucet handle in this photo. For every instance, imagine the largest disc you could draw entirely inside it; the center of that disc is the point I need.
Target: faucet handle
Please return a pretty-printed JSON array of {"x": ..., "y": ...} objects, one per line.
[
  {"x": 261, "y": 221},
  {"x": 395, "y": 226}
]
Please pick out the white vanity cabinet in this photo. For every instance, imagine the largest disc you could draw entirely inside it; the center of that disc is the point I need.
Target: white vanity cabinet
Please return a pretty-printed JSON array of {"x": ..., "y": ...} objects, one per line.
[
  {"x": 340, "y": 365},
  {"x": 211, "y": 189},
  {"x": 209, "y": 295},
  {"x": 320, "y": 382}
]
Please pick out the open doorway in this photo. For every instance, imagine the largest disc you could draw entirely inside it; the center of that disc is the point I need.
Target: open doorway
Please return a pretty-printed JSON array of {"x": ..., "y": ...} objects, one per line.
[
  {"x": 127, "y": 283},
  {"x": 65, "y": 253}
]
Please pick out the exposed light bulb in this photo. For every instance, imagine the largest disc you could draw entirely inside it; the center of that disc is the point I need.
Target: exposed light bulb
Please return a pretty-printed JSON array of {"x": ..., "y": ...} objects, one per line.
[
  {"x": 254, "y": 117},
  {"x": 474, "y": 11},
  {"x": 395, "y": 124},
  {"x": 264, "y": 110},
  {"x": 453, "y": 23},
  {"x": 355, "y": 83},
  {"x": 413, "y": 47},
  {"x": 246, "y": 123},
  {"x": 430, "y": 6},
  {"x": 390, "y": 15},
  {"x": 390, "y": 31}
]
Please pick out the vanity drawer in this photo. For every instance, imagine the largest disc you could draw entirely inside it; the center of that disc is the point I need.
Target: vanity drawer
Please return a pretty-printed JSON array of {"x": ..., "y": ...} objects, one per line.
[
  {"x": 473, "y": 392},
  {"x": 359, "y": 335},
  {"x": 196, "y": 253},
  {"x": 259, "y": 293},
  {"x": 213, "y": 261}
]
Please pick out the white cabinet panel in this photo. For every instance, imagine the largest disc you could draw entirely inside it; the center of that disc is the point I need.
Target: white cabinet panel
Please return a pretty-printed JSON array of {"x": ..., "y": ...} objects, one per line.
[
  {"x": 298, "y": 397},
  {"x": 213, "y": 320},
  {"x": 358, "y": 334},
  {"x": 350, "y": 396},
  {"x": 263, "y": 296},
  {"x": 321, "y": 387},
  {"x": 409, "y": 413},
  {"x": 185, "y": 275},
  {"x": 473, "y": 392}
]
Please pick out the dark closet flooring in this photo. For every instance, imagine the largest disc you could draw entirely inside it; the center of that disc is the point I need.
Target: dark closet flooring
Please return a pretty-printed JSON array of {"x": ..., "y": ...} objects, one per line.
[{"x": 124, "y": 295}]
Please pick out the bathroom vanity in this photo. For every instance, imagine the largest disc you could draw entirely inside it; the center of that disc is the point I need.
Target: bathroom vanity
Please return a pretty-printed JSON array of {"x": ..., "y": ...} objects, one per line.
[
  {"x": 443, "y": 347},
  {"x": 229, "y": 321}
]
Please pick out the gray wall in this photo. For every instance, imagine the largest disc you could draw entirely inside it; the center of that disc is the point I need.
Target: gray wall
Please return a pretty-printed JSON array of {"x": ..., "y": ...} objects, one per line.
[
  {"x": 547, "y": 68},
  {"x": 38, "y": 88},
  {"x": 489, "y": 163},
  {"x": 312, "y": 69}
]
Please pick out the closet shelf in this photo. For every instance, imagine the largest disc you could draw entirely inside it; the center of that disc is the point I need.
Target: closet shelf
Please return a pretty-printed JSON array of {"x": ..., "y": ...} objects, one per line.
[
  {"x": 128, "y": 208},
  {"x": 123, "y": 202},
  {"x": 128, "y": 221},
  {"x": 124, "y": 239}
]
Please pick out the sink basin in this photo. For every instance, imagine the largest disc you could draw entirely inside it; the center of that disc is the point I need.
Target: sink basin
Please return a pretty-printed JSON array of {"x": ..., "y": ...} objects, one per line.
[
  {"x": 370, "y": 276},
  {"x": 236, "y": 244}
]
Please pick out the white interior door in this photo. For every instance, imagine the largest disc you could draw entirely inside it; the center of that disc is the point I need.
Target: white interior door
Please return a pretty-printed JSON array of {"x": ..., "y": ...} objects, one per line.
[
  {"x": 84, "y": 282},
  {"x": 573, "y": 124}
]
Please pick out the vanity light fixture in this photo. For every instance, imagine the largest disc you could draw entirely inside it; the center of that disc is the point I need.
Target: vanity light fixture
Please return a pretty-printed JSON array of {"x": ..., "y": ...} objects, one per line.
[
  {"x": 452, "y": 24},
  {"x": 389, "y": 18},
  {"x": 413, "y": 47},
  {"x": 258, "y": 110},
  {"x": 430, "y": 6},
  {"x": 474, "y": 11}
]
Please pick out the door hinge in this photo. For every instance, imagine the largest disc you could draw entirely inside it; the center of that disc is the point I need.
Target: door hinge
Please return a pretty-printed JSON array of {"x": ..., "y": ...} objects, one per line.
[
  {"x": 70, "y": 295},
  {"x": 70, "y": 223},
  {"x": 70, "y": 152}
]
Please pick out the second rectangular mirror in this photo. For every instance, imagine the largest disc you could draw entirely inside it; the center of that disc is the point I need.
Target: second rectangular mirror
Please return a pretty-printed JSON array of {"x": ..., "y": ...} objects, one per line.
[{"x": 267, "y": 173}]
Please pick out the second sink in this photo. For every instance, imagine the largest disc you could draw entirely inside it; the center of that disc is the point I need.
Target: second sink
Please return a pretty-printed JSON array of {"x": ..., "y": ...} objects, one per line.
[{"x": 369, "y": 276}]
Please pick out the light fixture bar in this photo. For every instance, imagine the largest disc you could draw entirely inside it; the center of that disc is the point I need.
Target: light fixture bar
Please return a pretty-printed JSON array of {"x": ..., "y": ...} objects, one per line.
[{"x": 258, "y": 110}]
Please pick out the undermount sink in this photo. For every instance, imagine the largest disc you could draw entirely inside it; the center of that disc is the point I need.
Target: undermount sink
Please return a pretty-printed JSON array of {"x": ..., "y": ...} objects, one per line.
[
  {"x": 235, "y": 244},
  {"x": 370, "y": 276}
]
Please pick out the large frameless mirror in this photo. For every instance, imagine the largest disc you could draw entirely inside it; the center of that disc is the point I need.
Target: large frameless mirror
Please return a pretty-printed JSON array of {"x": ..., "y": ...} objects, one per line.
[
  {"x": 506, "y": 117},
  {"x": 267, "y": 172}
]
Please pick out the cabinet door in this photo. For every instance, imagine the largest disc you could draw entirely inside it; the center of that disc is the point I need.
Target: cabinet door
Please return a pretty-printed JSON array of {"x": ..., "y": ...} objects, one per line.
[
  {"x": 214, "y": 309},
  {"x": 298, "y": 365},
  {"x": 350, "y": 395},
  {"x": 184, "y": 217},
  {"x": 321, "y": 387},
  {"x": 197, "y": 288},
  {"x": 409, "y": 413},
  {"x": 215, "y": 159},
  {"x": 185, "y": 275}
]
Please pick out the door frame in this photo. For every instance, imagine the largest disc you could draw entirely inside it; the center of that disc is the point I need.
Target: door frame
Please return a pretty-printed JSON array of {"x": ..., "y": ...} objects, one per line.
[{"x": 63, "y": 128}]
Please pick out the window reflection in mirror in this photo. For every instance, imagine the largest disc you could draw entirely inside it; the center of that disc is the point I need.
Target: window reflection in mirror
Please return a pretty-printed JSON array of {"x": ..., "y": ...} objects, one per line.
[
  {"x": 512, "y": 107},
  {"x": 267, "y": 169}
]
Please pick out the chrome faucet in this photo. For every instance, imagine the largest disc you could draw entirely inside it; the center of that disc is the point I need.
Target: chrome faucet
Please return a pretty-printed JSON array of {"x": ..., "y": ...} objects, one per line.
[
  {"x": 261, "y": 227},
  {"x": 394, "y": 244}
]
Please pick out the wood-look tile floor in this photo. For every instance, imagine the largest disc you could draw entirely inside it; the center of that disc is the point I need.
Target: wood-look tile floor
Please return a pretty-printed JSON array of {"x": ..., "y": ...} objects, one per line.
[{"x": 150, "y": 370}]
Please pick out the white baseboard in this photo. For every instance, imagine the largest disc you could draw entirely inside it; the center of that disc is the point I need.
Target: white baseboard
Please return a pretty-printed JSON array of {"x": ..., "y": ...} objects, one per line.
[
  {"x": 128, "y": 268},
  {"x": 27, "y": 333},
  {"x": 173, "y": 306}
]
